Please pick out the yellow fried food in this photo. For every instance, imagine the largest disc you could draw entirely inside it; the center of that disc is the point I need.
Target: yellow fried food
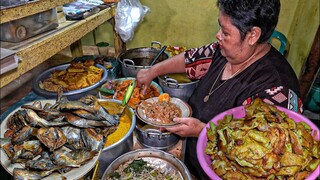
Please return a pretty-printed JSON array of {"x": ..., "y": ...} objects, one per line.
[
  {"x": 265, "y": 144},
  {"x": 77, "y": 76}
]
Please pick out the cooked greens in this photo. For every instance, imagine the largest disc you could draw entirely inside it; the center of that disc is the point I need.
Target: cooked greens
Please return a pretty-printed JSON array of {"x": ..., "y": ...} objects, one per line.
[{"x": 266, "y": 144}]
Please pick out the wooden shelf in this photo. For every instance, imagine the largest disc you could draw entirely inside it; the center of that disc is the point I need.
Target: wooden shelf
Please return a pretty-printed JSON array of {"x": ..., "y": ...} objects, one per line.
[
  {"x": 33, "y": 7},
  {"x": 41, "y": 48}
]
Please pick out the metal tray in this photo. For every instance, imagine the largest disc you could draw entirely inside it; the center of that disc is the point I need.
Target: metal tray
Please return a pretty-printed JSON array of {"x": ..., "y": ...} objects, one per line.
[{"x": 71, "y": 95}]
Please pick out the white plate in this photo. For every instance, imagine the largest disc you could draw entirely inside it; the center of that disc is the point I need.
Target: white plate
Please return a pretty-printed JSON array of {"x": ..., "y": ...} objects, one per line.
[
  {"x": 75, "y": 173},
  {"x": 184, "y": 107}
]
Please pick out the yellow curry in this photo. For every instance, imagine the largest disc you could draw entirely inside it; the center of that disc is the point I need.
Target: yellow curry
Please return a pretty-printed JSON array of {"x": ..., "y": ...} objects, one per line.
[{"x": 124, "y": 124}]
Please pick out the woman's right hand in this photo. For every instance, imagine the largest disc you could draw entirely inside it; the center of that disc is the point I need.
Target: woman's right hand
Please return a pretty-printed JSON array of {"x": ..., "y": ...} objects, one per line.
[{"x": 144, "y": 78}]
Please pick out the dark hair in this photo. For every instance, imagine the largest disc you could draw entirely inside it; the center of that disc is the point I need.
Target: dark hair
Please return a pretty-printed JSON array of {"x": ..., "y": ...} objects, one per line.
[{"x": 246, "y": 14}]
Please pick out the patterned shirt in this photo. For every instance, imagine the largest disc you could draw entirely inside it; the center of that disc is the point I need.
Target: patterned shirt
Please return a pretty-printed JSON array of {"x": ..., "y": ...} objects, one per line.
[{"x": 271, "y": 78}]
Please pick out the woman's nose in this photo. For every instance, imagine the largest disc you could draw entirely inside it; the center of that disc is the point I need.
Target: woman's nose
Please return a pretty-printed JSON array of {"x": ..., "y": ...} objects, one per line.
[{"x": 218, "y": 35}]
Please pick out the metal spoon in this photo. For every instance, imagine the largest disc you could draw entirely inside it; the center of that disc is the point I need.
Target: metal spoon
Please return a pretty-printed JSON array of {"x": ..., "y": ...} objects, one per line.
[{"x": 158, "y": 55}]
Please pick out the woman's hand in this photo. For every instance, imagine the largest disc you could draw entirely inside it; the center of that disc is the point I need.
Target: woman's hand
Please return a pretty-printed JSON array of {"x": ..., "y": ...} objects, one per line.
[
  {"x": 187, "y": 127},
  {"x": 144, "y": 79}
]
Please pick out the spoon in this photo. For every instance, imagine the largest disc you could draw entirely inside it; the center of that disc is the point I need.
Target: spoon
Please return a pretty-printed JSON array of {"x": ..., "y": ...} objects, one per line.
[{"x": 127, "y": 96}]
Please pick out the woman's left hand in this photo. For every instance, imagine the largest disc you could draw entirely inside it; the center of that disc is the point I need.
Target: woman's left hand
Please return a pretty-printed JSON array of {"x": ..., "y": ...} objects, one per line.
[{"x": 187, "y": 127}]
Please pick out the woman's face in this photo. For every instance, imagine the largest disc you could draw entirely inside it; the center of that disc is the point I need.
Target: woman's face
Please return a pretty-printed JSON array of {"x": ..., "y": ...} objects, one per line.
[{"x": 232, "y": 46}]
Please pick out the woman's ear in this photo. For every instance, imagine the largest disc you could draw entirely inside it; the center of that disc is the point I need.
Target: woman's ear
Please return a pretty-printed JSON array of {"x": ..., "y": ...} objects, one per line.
[{"x": 254, "y": 35}]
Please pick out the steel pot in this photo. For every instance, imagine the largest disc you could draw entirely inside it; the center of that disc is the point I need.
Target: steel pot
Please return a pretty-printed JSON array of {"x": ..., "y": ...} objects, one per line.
[
  {"x": 133, "y": 60},
  {"x": 124, "y": 145},
  {"x": 155, "y": 157},
  {"x": 151, "y": 137},
  {"x": 182, "y": 91}
]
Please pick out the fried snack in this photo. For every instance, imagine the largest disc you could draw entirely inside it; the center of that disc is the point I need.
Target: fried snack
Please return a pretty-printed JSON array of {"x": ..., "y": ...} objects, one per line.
[
  {"x": 265, "y": 144},
  {"x": 77, "y": 76}
]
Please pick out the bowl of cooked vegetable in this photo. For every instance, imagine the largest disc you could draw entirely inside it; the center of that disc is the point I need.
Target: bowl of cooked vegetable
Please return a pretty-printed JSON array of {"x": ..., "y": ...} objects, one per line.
[
  {"x": 259, "y": 141},
  {"x": 147, "y": 164}
]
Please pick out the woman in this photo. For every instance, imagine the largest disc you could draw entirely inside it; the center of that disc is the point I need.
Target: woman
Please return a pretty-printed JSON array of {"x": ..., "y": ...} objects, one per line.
[{"x": 233, "y": 71}]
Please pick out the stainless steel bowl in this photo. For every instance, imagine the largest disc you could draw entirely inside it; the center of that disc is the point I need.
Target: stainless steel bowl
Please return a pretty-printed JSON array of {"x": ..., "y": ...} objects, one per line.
[
  {"x": 71, "y": 95},
  {"x": 156, "y": 157}
]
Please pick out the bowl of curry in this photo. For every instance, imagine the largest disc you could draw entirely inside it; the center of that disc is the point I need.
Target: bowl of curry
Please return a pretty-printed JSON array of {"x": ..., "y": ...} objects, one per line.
[
  {"x": 259, "y": 141},
  {"x": 119, "y": 141},
  {"x": 76, "y": 78}
]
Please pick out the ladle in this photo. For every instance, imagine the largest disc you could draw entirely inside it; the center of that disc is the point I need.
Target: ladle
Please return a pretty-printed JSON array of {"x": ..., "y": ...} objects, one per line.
[{"x": 158, "y": 55}]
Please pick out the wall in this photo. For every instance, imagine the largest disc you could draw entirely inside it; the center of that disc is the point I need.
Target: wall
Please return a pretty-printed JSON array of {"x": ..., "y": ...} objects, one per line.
[{"x": 194, "y": 23}]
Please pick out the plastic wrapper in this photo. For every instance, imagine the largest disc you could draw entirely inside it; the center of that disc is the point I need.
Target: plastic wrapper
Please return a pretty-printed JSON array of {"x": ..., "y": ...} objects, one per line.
[{"x": 129, "y": 14}]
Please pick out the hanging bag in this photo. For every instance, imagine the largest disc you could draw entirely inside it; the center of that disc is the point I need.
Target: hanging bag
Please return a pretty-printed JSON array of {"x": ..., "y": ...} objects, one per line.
[{"x": 129, "y": 13}]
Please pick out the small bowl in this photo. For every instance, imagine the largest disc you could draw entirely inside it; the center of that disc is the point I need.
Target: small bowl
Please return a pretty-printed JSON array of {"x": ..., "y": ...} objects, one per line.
[
  {"x": 71, "y": 95},
  {"x": 239, "y": 112}
]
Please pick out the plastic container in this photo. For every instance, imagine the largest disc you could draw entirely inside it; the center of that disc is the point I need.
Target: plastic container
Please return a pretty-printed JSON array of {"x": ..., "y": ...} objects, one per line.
[{"x": 24, "y": 28}]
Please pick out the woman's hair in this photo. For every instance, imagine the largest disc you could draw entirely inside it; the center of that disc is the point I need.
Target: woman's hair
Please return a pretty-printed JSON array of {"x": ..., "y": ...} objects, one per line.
[{"x": 246, "y": 14}]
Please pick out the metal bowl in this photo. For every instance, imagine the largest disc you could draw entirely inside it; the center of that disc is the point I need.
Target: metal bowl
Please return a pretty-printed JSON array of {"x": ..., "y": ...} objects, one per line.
[
  {"x": 71, "y": 95},
  {"x": 124, "y": 145},
  {"x": 156, "y": 157}
]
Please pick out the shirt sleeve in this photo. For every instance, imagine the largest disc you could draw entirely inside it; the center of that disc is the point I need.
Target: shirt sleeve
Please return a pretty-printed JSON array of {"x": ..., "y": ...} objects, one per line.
[
  {"x": 198, "y": 60},
  {"x": 280, "y": 96}
]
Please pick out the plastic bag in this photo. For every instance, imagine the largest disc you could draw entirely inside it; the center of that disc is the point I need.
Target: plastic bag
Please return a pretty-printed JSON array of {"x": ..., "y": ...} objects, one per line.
[{"x": 128, "y": 15}]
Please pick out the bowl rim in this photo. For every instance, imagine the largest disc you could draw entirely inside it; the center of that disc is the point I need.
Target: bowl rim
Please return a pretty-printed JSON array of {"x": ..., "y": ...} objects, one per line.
[
  {"x": 36, "y": 88},
  {"x": 204, "y": 159}
]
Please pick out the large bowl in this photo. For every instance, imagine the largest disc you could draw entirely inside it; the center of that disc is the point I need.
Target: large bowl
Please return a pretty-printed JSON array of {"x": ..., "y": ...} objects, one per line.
[
  {"x": 125, "y": 144},
  {"x": 157, "y": 157},
  {"x": 239, "y": 112},
  {"x": 71, "y": 95}
]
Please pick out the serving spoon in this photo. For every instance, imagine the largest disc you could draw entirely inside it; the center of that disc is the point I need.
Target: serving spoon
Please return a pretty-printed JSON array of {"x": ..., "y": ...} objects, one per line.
[{"x": 127, "y": 96}]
